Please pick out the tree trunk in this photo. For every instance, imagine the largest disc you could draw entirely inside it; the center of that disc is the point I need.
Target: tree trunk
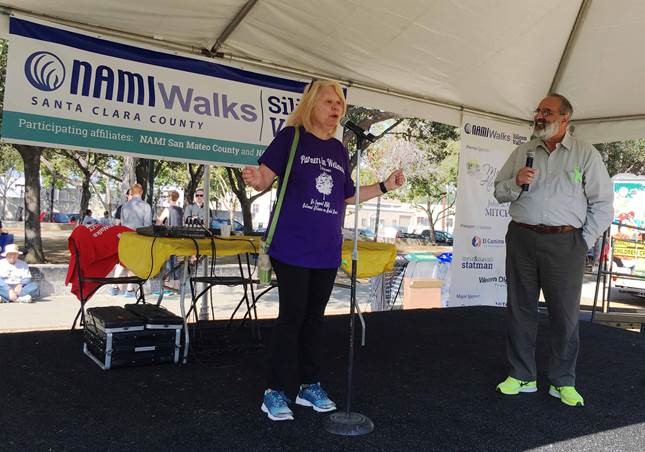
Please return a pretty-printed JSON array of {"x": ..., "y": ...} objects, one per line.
[
  {"x": 142, "y": 169},
  {"x": 129, "y": 173},
  {"x": 431, "y": 220},
  {"x": 108, "y": 196},
  {"x": 4, "y": 204},
  {"x": 33, "y": 240},
  {"x": 85, "y": 195},
  {"x": 196, "y": 173},
  {"x": 239, "y": 188},
  {"x": 52, "y": 192}
]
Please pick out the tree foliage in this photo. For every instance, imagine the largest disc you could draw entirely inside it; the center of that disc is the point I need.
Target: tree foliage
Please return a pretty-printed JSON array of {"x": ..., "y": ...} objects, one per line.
[
  {"x": 623, "y": 156},
  {"x": 428, "y": 153}
]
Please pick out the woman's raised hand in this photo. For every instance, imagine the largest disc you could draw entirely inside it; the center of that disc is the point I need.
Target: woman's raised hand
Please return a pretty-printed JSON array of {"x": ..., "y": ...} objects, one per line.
[{"x": 252, "y": 176}]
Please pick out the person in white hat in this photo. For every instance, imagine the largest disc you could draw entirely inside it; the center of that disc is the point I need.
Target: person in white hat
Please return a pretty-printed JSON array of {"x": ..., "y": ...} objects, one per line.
[{"x": 15, "y": 278}]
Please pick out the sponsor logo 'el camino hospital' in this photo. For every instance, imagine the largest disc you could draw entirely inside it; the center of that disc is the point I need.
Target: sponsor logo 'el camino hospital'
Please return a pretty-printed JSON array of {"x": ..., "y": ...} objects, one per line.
[
  {"x": 46, "y": 72},
  {"x": 478, "y": 241}
]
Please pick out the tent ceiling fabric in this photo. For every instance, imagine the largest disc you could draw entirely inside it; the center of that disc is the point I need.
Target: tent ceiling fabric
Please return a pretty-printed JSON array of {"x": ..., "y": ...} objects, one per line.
[{"x": 428, "y": 58}]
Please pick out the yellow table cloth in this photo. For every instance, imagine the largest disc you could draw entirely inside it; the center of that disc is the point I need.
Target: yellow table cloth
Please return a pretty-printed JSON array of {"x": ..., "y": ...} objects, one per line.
[{"x": 145, "y": 256}]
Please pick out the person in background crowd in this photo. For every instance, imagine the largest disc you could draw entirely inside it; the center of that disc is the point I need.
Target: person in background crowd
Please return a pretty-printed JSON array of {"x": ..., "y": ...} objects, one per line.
[
  {"x": 106, "y": 221},
  {"x": 117, "y": 212},
  {"x": 88, "y": 218},
  {"x": 15, "y": 279},
  {"x": 135, "y": 213},
  {"x": 119, "y": 269},
  {"x": 306, "y": 248},
  {"x": 195, "y": 210},
  {"x": 172, "y": 215},
  {"x": 567, "y": 206}
]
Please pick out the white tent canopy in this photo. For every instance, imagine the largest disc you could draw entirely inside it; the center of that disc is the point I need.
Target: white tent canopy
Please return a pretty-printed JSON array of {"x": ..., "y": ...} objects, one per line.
[{"x": 432, "y": 59}]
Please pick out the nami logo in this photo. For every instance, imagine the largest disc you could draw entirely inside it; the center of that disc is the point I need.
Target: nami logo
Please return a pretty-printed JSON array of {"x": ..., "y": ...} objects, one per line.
[
  {"x": 486, "y": 132},
  {"x": 45, "y": 71}
]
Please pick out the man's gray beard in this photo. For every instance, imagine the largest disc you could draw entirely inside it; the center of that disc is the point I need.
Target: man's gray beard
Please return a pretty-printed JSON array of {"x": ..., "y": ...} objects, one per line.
[{"x": 546, "y": 133}]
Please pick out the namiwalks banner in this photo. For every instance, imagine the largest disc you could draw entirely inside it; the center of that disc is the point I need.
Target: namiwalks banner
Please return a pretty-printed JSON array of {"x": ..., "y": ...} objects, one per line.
[
  {"x": 66, "y": 88},
  {"x": 478, "y": 264}
]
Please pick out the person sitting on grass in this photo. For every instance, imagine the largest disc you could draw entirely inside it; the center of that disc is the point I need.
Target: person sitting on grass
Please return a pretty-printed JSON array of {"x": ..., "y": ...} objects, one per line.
[{"x": 15, "y": 279}]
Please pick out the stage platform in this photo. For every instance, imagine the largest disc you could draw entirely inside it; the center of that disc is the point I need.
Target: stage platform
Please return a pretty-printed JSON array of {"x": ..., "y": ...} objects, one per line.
[{"x": 426, "y": 379}]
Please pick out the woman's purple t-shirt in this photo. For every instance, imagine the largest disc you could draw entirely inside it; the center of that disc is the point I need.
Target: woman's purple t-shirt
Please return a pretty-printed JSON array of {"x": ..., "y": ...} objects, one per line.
[{"x": 309, "y": 229}]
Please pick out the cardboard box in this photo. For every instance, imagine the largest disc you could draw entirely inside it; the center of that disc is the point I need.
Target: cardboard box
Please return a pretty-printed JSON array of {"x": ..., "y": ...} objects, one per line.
[{"x": 421, "y": 293}]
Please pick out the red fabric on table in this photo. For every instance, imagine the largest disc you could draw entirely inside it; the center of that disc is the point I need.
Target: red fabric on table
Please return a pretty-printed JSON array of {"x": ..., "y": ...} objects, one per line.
[{"x": 99, "y": 248}]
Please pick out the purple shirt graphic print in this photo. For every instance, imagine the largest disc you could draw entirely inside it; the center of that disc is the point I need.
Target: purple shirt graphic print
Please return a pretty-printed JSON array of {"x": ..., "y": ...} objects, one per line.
[{"x": 309, "y": 229}]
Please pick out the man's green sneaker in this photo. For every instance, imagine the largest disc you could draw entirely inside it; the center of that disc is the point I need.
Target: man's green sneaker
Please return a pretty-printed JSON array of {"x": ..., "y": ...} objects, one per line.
[
  {"x": 567, "y": 394},
  {"x": 513, "y": 386}
]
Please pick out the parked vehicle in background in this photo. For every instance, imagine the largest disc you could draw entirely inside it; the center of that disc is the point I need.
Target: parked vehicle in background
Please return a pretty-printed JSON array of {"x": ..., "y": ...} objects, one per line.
[
  {"x": 412, "y": 235},
  {"x": 216, "y": 223},
  {"x": 73, "y": 217},
  {"x": 440, "y": 237},
  {"x": 363, "y": 234},
  {"x": 46, "y": 217}
]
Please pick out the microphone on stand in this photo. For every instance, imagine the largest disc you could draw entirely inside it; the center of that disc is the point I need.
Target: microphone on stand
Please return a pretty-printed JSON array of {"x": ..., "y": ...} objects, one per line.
[
  {"x": 529, "y": 163},
  {"x": 358, "y": 130}
]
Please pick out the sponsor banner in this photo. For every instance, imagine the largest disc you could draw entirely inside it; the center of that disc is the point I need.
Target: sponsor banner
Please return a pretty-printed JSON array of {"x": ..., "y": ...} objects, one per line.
[
  {"x": 478, "y": 270},
  {"x": 67, "y": 88},
  {"x": 628, "y": 231},
  {"x": 629, "y": 207}
]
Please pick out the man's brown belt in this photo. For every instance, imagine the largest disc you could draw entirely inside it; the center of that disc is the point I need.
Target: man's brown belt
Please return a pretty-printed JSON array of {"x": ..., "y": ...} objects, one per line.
[{"x": 544, "y": 229}]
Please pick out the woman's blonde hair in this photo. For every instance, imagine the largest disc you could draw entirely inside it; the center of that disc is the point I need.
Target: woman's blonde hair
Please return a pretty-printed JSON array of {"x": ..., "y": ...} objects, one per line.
[{"x": 303, "y": 114}]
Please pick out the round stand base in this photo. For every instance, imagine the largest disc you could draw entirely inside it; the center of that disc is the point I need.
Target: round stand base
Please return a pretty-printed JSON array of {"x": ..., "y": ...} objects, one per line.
[{"x": 352, "y": 424}]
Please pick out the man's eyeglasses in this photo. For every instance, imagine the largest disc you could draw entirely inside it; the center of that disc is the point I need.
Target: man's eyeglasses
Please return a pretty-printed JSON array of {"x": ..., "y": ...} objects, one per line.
[
  {"x": 545, "y": 112},
  {"x": 199, "y": 195}
]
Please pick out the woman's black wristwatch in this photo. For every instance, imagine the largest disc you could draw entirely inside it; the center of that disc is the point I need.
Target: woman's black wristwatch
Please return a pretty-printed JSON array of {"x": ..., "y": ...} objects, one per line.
[{"x": 383, "y": 187}]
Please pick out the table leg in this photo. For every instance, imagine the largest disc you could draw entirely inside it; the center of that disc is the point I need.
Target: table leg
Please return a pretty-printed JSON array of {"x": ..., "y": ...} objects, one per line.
[{"x": 182, "y": 297}]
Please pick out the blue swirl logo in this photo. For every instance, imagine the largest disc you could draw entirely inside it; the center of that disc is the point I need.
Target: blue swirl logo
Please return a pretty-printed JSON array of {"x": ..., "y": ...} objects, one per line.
[{"x": 45, "y": 71}]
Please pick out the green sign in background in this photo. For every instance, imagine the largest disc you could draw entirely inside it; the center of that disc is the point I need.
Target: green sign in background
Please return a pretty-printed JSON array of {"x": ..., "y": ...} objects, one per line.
[{"x": 51, "y": 132}]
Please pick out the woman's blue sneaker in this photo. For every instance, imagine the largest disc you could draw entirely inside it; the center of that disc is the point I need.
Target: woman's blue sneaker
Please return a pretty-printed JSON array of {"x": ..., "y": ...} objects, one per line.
[
  {"x": 316, "y": 397},
  {"x": 275, "y": 405}
]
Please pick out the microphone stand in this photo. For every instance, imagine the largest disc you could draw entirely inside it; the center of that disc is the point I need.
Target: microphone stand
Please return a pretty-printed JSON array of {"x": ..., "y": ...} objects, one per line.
[{"x": 350, "y": 423}]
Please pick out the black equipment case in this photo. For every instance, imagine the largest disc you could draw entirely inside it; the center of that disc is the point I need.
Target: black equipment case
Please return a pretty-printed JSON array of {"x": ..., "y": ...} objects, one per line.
[
  {"x": 118, "y": 337},
  {"x": 161, "y": 321}
]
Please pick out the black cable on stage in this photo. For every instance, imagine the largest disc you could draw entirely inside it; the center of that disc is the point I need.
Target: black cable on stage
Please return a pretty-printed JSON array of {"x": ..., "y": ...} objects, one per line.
[{"x": 152, "y": 258}]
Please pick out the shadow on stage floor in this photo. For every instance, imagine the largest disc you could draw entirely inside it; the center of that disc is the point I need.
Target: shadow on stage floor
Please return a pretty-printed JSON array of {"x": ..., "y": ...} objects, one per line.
[{"x": 426, "y": 379}]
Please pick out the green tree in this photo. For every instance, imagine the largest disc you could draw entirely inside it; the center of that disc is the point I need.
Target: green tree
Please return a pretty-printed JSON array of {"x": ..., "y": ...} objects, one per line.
[
  {"x": 33, "y": 239},
  {"x": 87, "y": 165},
  {"x": 10, "y": 170},
  {"x": 429, "y": 153},
  {"x": 623, "y": 156},
  {"x": 31, "y": 165}
]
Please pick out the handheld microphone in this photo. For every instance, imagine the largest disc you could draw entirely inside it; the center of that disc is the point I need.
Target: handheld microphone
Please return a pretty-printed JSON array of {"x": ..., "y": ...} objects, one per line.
[
  {"x": 358, "y": 130},
  {"x": 529, "y": 162}
]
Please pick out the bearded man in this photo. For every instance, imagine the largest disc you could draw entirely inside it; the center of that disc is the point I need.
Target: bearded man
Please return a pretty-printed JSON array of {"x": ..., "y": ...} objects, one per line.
[{"x": 559, "y": 207}]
